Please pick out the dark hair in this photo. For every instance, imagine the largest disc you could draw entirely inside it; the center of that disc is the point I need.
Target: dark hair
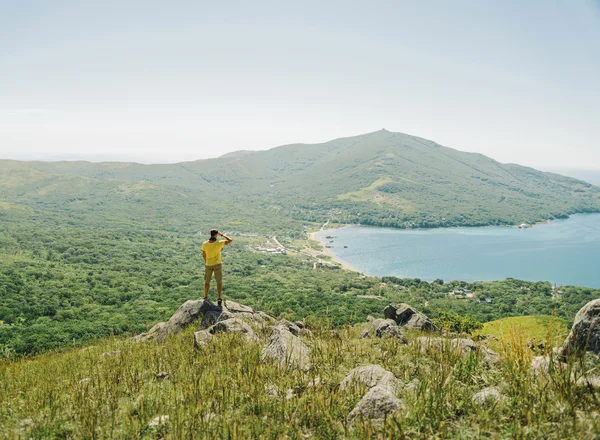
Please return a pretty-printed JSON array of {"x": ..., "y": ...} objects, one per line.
[{"x": 213, "y": 234}]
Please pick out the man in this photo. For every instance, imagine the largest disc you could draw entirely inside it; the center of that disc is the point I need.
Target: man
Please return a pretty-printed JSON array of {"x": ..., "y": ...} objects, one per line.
[{"x": 211, "y": 252}]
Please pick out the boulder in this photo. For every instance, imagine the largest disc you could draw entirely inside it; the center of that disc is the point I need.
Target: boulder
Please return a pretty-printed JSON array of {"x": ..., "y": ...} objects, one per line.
[
  {"x": 369, "y": 376},
  {"x": 376, "y": 405},
  {"x": 489, "y": 356},
  {"x": 187, "y": 313},
  {"x": 294, "y": 329},
  {"x": 542, "y": 365},
  {"x": 268, "y": 319},
  {"x": 286, "y": 349},
  {"x": 210, "y": 318},
  {"x": 487, "y": 395},
  {"x": 234, "y": 307},
  {"x": 233, "y": 325},
  {"x": 585, "y": 333},
  {"x": 405, "y": 315},
  {"x": 385, "y": 328},
  {"x": 589, "y": 382},
  {"x": 202, "y": 338},
  {"x": 300, "y": 324}
]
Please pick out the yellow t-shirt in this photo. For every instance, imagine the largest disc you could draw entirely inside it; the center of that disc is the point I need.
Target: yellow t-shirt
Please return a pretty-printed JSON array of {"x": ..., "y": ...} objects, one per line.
[{"x": 213, "y": 252}]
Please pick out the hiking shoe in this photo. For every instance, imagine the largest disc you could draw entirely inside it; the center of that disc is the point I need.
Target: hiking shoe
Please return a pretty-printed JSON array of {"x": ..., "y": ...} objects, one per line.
[{"x": 219, "y": 302}]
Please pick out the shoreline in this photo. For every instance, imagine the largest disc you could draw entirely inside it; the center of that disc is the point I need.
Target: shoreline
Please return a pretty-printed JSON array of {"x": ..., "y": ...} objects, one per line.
[{"x": 324, "y": 250}]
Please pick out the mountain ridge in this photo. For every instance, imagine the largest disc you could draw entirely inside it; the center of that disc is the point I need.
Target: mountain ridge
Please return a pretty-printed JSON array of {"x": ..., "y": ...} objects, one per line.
[{"x": 380, "y": 178}]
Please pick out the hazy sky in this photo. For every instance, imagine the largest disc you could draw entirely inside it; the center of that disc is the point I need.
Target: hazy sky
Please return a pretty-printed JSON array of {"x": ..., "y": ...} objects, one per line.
[{"x": 158, "y": 81}]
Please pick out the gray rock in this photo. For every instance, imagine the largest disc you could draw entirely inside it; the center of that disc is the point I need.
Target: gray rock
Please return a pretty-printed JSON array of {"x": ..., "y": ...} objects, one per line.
[
  {"x": 267, "y": 318},
  {"x": 489, "y": 356},
  {"x": 369, "y": 376},
  {"x": 585, "y": 333},
  {"x": 210, "y": 318},
  {"x": 372, "y": 328},
  {"x": 389, "y": 329},
  {"x": 286, "y": 349},
  {"x": 543, "y": 365},
  {"x": 202, "y": 339},
  {"x": 84, "y": 381},
  {"x": 589, "y": 382},
  {"x": 376, "y": 405},
  {"x": 300, "y": 324},
  {"x": 405, "y": 315},
  {"x": 292, "y": 328},
  {"x": 233, "y": 325},
  {"x": 487, "y": 395},
  {"x": 234, "y": 307},
  {"x": 158, "y": 421},
  {"x": 185, "y": 315}
]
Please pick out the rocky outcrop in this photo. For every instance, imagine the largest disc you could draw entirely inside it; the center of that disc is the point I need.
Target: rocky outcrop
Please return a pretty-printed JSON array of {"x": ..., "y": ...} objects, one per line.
[
  {"x": 585, "y": 333},
  {"x": 369, "y": 376},
  {"x": 233, "y": 325},
  {"x": 405, "y": 315},
  {"x": 185, "y": 315},
  {"x": 286, "y": 349},
  {"x": 211, "y": 314},
  {"x": 210, "y": 318},
  {"x": 384, "y": 328}
]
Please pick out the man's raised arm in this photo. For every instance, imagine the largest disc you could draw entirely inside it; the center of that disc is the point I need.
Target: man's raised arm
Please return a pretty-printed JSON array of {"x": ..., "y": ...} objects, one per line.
[{"x": 227, "y": 239}]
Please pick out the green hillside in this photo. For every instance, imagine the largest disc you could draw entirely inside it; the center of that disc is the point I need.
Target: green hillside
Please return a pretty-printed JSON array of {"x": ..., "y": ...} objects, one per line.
[
  {"x": 541, "y": 327},
  {"x": 88, "y": 250},
  {"x": 380, "y": 178}
]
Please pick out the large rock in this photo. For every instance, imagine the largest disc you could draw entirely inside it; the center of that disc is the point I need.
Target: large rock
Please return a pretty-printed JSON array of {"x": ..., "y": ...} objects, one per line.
[
  {"x": 233, "y": 325},
  {"x": 585, "y": 333},
  {"x": 385, "y": 328},
  {"x": 487, "y": 395},
  {"x": 234, "y": 307},
  {"x": 186, "y": 314},
  {"x": 408, "y": 316},
  {"x": 210, "y": 318},
  {"x": 376, "y": 405},
  {"x": 369, "y": 376},
  {"x": 464, "y": 346},
  {"x": 202, "y": 339},
  {"x": 286, "y": 349}
]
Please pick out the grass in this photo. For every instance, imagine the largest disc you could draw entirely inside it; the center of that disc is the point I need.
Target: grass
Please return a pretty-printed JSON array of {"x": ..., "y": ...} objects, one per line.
[
  {"x": 226, "y": 391},
  {"x": 542, "y": 328}
]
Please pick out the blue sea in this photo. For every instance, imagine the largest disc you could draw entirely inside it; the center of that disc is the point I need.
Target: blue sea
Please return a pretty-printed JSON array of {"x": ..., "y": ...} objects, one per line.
[{"x": 564, "y": 252}]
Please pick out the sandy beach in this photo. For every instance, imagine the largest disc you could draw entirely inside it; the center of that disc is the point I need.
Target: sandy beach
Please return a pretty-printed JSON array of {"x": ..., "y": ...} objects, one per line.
[{"x": 324, "y": 250}]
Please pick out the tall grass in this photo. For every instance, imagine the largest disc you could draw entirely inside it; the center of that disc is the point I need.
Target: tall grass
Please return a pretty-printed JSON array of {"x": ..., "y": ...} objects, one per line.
[{"x": 226, "y": 391}]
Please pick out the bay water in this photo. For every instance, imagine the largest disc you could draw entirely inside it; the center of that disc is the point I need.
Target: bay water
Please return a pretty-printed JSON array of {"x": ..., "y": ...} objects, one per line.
[{"x": 564, "y": 252}]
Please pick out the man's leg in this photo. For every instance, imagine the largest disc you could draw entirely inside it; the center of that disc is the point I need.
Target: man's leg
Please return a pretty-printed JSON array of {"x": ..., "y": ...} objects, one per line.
[
  {"x": 219, "y": 278},
  {"x": 208, "y": 271}
]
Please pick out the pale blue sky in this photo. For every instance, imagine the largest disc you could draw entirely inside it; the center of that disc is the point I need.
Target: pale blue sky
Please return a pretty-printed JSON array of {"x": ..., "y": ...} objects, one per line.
[{"x": 158, "y": 81}]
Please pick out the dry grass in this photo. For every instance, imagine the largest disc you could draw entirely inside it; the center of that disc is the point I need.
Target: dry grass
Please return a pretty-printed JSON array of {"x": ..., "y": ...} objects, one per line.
[{"x": 225, "y": 391}]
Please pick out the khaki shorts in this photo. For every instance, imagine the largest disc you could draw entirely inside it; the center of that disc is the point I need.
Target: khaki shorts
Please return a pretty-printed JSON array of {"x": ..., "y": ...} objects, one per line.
[{"x": 218, "y": 271}]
